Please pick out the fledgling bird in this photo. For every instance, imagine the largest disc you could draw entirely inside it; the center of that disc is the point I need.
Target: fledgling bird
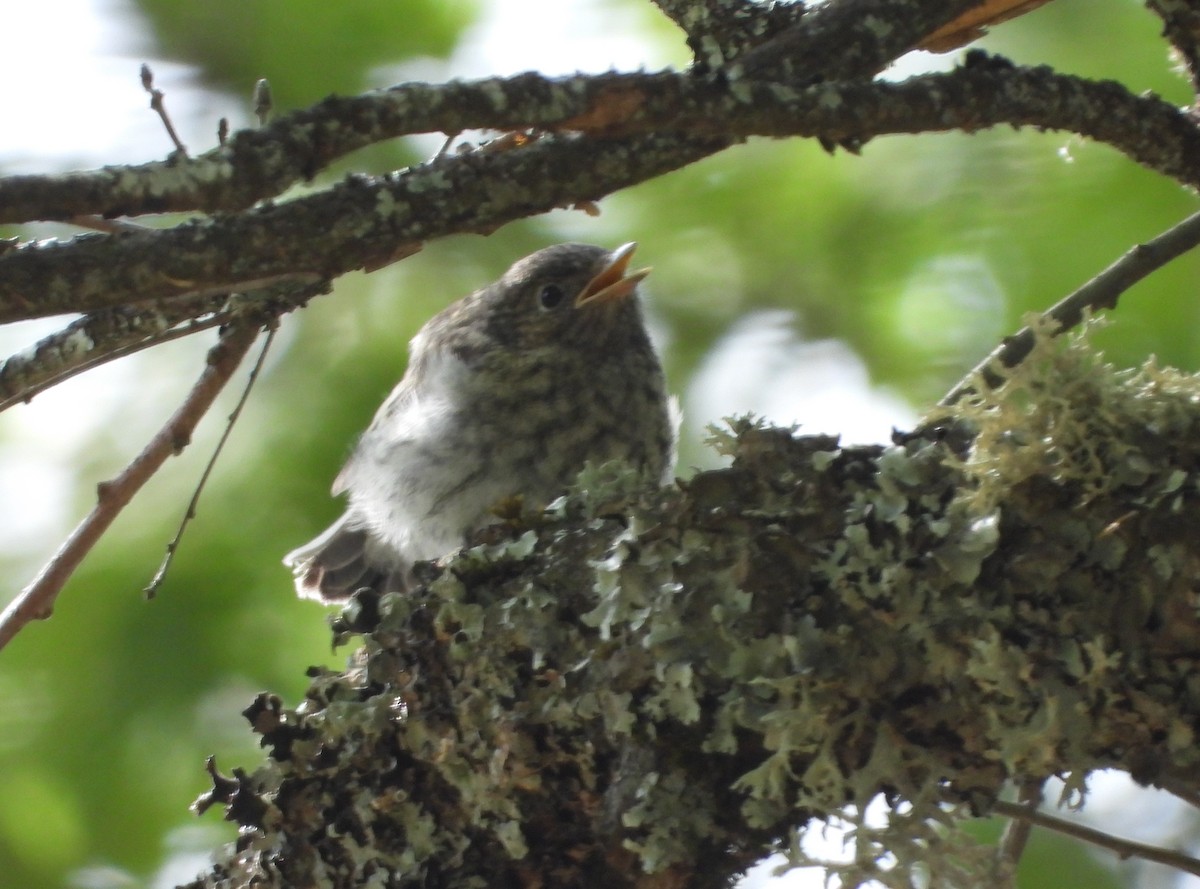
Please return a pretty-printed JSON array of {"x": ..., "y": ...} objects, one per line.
[{"x": 508, "y": 392}]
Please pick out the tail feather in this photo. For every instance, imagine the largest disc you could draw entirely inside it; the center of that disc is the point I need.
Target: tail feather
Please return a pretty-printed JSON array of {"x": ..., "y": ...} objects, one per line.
[{"x": 337, "y": 563}]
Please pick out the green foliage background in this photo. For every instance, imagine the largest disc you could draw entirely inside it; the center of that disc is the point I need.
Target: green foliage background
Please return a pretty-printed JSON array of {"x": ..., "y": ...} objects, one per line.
[{"x": 919, "y": 255}]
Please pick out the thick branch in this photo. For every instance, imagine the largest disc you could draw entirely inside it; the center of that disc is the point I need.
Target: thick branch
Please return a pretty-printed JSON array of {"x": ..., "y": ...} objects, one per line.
[
  {"x": 852, "y": 38},
  {"x": 670, "y": 682},
  {"x": 361, "y": 222},
  {"x": 109, "y": 334},
  {"x": 261, "y": 163},
  {"x": 987, "y": 91},
  {"x": 718, "y": 31}
]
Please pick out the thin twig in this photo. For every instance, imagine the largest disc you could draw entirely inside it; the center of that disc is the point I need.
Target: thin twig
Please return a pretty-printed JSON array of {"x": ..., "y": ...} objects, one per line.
[
  {"x": 1123, "y": 848},
  {"x": 156, "y": 103},
  {"x": 1101, "y": 292},
  {"x": 36, "y": 601},
  {"x": 1016, "y": 834},
  {"x": 160, "y": 575}
]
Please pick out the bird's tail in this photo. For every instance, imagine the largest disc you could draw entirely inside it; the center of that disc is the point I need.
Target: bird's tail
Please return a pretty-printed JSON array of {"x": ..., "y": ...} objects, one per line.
[{"x": 338, "y": 563}]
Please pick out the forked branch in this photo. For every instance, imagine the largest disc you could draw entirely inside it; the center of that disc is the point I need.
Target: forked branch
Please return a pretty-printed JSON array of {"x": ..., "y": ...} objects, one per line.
[{"x": 37, "y": 600}]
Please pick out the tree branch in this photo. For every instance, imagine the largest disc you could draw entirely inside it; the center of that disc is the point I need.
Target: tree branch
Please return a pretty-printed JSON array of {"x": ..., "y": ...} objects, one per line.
[
  {"x": 1017, "y": 832},
  {"x": 1181, "y": 27},
  {"x": 664, "y": 685},
  {"x": 260, "y": 163},
  {"x": 849, "y": 39},
  {"x": 364, "y": 222},
  {"x": 1102, "y": 292},
  {"x": 1124, "y": 848},
  {"x": 94, "y": 339},
  {"x": 112, "y": 333},
  {"x": 718, "y": 31},
  {"x": 37, "y": 600},
  {"x": 156, "y": 582},
  {"x": 359, "y": 223}
]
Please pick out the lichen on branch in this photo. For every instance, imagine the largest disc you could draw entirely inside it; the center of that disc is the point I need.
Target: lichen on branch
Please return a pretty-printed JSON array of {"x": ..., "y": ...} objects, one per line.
[{"x": 659, "y": 687}]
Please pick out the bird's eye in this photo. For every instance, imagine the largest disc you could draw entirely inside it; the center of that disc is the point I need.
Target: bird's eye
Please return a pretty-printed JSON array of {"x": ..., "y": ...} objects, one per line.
[{"x": 550, "y": 296}]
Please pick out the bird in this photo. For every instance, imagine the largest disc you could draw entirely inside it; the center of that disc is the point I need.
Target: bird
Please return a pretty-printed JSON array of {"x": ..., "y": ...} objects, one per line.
[{"x": 508, "y": 393}]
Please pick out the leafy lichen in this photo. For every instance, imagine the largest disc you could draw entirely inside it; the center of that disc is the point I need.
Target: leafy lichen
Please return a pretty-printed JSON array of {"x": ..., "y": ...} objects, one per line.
[{"x": 675, "y": 682}]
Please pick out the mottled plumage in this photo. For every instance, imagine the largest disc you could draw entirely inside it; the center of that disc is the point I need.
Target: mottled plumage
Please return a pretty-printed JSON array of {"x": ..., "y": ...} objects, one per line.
[{"x": 508, "y": 392}]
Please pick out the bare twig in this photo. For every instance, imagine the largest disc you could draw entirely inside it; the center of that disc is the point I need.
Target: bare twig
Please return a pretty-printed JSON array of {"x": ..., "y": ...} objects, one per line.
[
  {"x": 1101, "y": 292},
  {"x": 1124, "y": 848},
  {"x": 36, "y": 601},
  {"x": 156, "y": 102},
  {"x": 1016, "y": 834},
  {"x": 155, "y": 584}
]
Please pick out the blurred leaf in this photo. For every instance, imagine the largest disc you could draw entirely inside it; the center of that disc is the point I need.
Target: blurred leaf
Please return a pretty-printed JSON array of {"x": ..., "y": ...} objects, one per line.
[{"x": 306, "y": 48}]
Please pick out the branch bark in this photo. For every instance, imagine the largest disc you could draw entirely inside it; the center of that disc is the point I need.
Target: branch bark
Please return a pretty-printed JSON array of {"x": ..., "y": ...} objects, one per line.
[
  {"x": 257, "y": 164},
  {"x": 365, "y": 223},
  {"x": 1181, "y": 27}
]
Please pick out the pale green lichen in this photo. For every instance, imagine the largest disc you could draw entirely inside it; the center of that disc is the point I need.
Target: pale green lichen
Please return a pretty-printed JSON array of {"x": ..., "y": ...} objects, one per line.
[{"x": 1067, "y": 415}]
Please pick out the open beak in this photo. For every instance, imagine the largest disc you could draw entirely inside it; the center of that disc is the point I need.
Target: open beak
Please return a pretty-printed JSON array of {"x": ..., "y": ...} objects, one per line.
[{"x": 613, "y": 283}]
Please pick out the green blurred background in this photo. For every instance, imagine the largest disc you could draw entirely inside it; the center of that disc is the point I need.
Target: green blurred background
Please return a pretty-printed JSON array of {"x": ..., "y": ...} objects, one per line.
[{"x": 841, "y": 292}]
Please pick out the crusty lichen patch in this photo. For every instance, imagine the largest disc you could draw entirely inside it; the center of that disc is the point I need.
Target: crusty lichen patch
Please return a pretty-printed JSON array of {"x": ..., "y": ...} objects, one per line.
[{"x": 657, "y": 687}]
